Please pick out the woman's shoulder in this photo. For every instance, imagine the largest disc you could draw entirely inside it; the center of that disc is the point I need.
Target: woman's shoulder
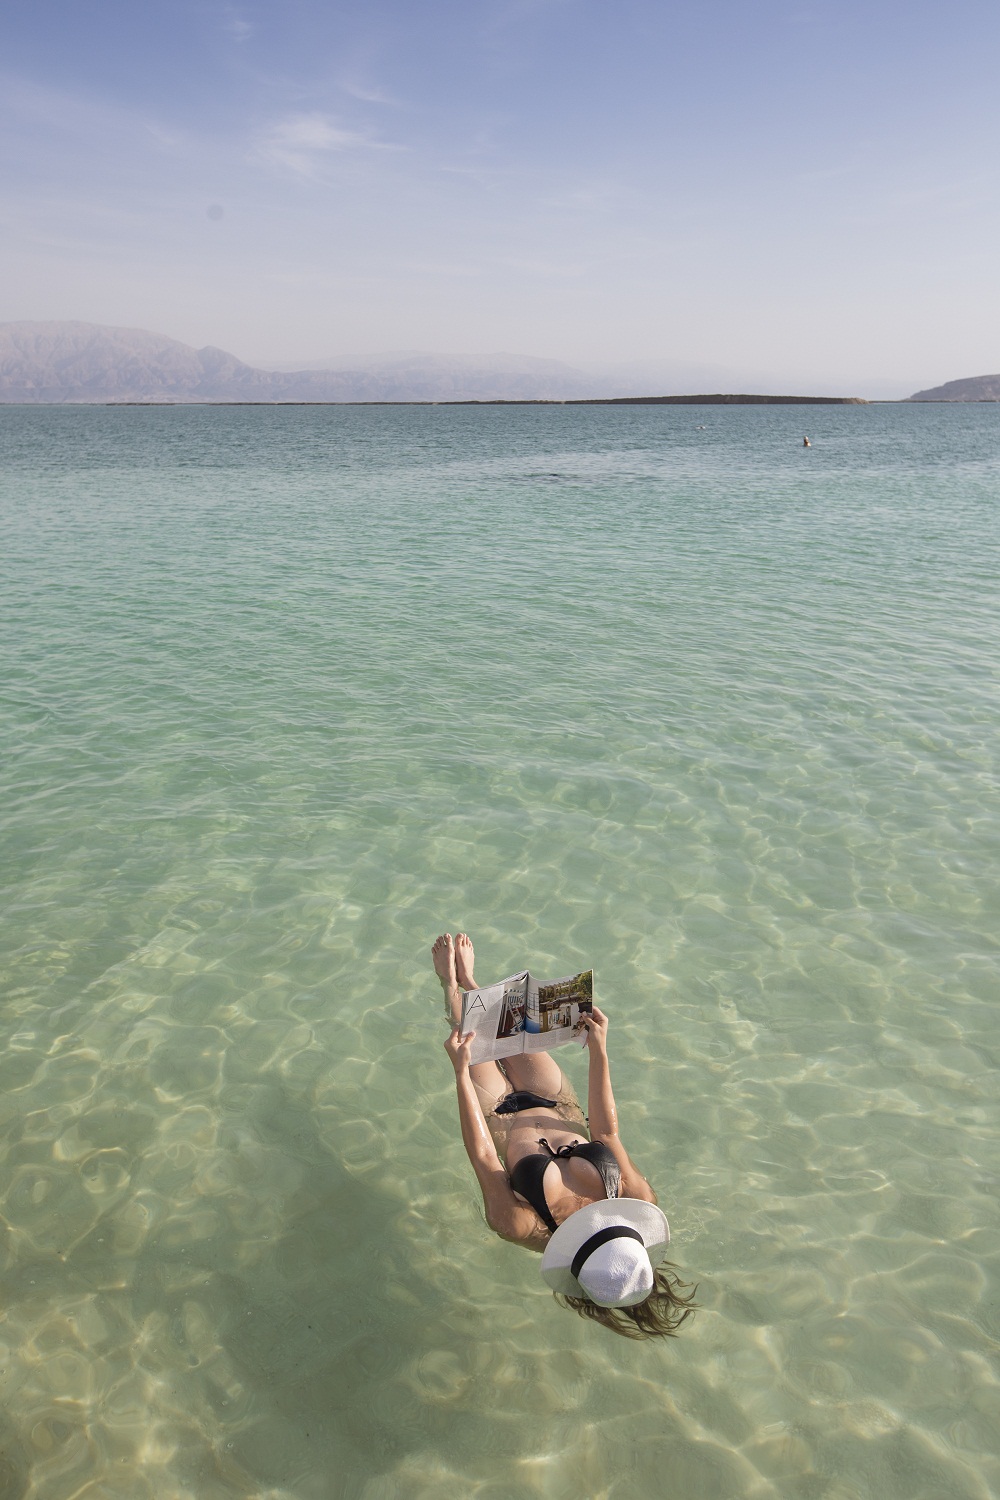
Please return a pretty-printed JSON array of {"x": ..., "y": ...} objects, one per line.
[{"x": 633, "y": 1184}]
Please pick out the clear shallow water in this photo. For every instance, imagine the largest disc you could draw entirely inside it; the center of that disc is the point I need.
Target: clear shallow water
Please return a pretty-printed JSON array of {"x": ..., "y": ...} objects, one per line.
[{"x": 286, "y": 692}]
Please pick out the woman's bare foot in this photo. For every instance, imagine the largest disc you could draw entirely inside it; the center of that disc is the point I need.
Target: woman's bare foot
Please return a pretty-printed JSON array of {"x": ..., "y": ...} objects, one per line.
[
  {"x": 443, "y": 954},
  {"x": 465, "y": 959}
]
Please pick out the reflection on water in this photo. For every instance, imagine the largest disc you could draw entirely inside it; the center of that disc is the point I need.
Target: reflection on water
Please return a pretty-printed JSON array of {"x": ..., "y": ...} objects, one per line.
[{"x": 290, "y": 692}]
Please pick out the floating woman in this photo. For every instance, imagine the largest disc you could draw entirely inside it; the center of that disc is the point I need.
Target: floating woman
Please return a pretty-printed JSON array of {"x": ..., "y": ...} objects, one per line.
[{"x": 550, "y": 1185}]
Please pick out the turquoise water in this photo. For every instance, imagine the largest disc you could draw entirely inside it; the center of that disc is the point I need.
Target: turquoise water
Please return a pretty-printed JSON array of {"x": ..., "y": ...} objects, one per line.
[{"x": 289, "y": 691}]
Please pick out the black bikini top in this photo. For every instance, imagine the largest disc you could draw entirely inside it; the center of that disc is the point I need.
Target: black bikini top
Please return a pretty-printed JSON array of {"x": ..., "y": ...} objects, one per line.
[{"x": 527, "y": 1175}]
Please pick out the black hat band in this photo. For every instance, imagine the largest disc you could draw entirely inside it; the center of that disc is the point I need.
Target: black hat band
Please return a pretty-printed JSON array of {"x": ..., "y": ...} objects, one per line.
[{"x": 612, "y": 1232}]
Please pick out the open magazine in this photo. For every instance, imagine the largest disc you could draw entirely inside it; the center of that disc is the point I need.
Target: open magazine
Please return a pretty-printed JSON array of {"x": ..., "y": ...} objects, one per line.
[{"x": 521, "y": 1015}]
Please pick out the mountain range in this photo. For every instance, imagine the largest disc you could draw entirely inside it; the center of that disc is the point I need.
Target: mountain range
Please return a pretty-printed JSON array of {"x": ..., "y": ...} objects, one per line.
[
  {"x": 92, "y": 362},
  {"x": 89, "y": 362}
]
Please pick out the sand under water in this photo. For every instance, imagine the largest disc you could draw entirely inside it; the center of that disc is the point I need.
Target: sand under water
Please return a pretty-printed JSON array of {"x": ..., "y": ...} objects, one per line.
[{"x": 287, "y": 692}]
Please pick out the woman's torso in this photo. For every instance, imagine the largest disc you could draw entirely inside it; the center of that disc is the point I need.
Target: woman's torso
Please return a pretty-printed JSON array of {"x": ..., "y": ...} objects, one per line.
[{"x": 559, "y": 1179}]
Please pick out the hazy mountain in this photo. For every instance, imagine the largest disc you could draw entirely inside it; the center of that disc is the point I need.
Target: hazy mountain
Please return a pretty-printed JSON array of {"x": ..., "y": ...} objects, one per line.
[
  {"x": 431, "y": 377},
  {"x": 88, "y": 362},
  {"x": 976, "y": 388},
  {"x": 77, "y": 362}
]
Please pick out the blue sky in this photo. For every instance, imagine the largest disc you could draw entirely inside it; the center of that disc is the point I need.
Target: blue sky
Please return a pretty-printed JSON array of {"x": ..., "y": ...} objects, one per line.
[{"x": 800, "y": 189}]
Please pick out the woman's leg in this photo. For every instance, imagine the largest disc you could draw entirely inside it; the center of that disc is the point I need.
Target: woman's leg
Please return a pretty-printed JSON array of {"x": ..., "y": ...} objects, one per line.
[
  {"x": 491, "y": 1085},
  {"x": 538, "y": 1073}
]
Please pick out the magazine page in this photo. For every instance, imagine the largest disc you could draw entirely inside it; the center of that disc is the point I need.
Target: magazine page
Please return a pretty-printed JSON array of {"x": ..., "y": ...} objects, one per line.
[
  {"x": 532, "y": 1018},
  {"x": 554, "y": 1009},
  {"x": 496, "y": 1015}
]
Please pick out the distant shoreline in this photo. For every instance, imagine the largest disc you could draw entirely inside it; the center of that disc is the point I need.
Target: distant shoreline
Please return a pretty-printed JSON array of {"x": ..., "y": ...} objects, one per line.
[{"x": 738, "y": 400}]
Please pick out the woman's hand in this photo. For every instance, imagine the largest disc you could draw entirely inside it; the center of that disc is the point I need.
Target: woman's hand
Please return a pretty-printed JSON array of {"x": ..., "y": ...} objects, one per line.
[
  {"x": 459, "y": 1049},
  {"x": 597, "y": 1030}
]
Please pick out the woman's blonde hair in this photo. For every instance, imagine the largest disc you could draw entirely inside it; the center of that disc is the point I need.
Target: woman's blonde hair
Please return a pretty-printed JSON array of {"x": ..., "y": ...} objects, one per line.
[{"x": 662, "y": 1313}]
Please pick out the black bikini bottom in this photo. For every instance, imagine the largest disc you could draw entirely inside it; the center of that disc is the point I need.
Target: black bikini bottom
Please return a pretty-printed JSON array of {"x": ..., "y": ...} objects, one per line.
[{"x": 512, "y": 1104}]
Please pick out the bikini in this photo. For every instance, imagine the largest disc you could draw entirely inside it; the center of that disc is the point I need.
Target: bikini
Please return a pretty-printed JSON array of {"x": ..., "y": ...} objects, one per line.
[{"x": 526, "y": 1178}]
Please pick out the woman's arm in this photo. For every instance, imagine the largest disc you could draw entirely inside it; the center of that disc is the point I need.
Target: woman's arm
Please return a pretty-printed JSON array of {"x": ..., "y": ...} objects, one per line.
[
  {"x": 503, "y": 1212},
  {"x": 602, "y": 1111}
]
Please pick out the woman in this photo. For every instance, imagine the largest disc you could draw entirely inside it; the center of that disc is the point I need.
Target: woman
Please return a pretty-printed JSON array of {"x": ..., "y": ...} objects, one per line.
[{"x": 549, "y": 1185}]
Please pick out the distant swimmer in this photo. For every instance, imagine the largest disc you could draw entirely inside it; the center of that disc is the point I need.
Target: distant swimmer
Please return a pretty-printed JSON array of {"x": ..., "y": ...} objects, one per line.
[{"x": 806, "y": 443}]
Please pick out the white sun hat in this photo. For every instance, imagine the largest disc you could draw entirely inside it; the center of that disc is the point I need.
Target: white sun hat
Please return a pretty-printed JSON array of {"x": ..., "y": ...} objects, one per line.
[{"x": 608, "y": 1252}]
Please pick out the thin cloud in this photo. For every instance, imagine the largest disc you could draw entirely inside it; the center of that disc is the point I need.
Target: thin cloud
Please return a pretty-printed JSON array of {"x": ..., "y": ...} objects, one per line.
[
  {"x": 300, "y": 143},
  {"x": 237, "y": 26},
  {"x": 367, "y": 94},
  {"x": 37, "y": 115},
  {"x": 39, "y": 107}
]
